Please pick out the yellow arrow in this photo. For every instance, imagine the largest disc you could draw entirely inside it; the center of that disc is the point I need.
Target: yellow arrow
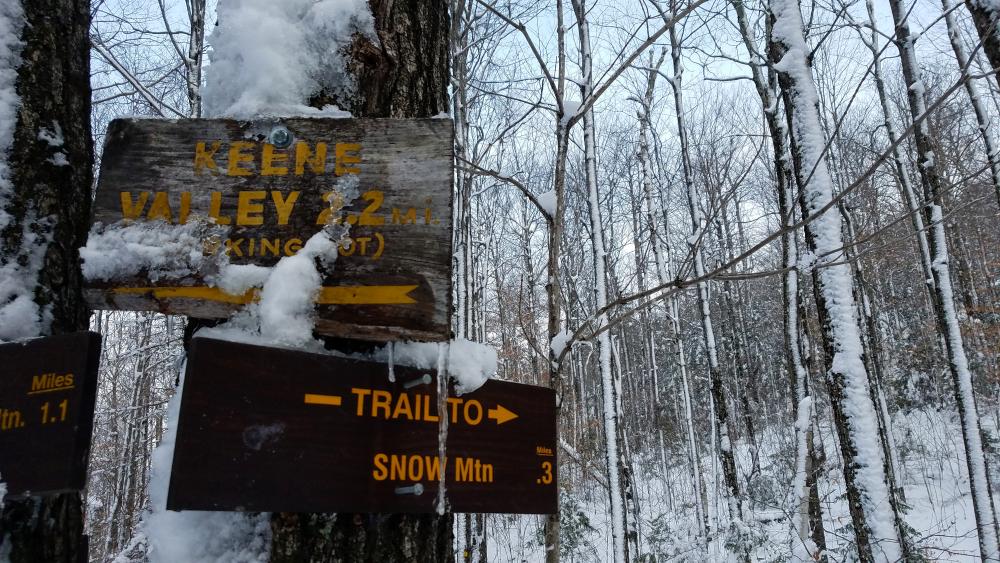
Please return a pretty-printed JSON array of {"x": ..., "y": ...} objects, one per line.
[
  {"x": 314, "y": 399},
  {"x": 500, "y": 414},
  {"x": 336, "y": 295}
]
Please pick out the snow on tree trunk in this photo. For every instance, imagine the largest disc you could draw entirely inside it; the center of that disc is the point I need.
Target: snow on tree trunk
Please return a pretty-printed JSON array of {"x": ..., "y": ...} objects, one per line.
[
  {"x": 986, "y": 16},
  {"x": 653, "y": 220},
  {"x": 902, "y": 170},
  {"x": 873, "y": 516},
  {"x": 195, "y": 54},
  {"x": 979, "y": 480},
  {"x": 698, "y": 226},
  {"x": 46, "y": 151},
  {"x": 972, "y": 89},
  {"x": 610, "y": 385},
  {"x": 808, "y": 538}
]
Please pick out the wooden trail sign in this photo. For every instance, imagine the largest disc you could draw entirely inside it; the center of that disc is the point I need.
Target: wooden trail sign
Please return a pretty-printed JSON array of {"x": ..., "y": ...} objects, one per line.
[
  {"x": 273, "y": 184},
  {"x": 47, "y": 392},
  {"x": 265, "y": 429}
]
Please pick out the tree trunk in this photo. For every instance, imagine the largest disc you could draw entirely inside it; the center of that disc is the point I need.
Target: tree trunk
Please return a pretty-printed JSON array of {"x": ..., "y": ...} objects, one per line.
[
  {"x": 47, "y": 202},
  {"x": 552, "y": 284},
  {"x": 698, "y": 232},
  {"x": 405, "y": 75},
  {"x": 947, "y": 315},
  {"x": 810, "y": 537},
  {"x": 874, "y": 517},
  {"x": 899, "y": 162},
  {"x": 986, "y": 16},
  {"x": 610, "y": 383},
  {"x": 975, "y": 97}
]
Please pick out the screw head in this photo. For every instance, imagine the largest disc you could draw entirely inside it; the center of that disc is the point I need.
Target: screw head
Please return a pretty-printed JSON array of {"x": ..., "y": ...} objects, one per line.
[{"x": 280, "y": 137}]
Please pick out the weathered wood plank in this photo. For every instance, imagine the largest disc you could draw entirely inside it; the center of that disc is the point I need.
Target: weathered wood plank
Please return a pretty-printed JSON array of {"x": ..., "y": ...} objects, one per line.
[{"x": 273, "y": 198}]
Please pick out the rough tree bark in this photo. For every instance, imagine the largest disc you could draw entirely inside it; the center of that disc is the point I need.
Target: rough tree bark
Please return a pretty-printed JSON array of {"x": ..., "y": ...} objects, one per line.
[
  {"x": 986, "y": 14},
  {"x": 875, "y": 519},
  {"x": 554, "y": 223},
  {"x": 611, "y": 390},
  {"x": 696, "y": 241},
  {"x": 947, "y": 314},
  {"x": 405, "y": 75},
  {"x": 49, "y": 202}
]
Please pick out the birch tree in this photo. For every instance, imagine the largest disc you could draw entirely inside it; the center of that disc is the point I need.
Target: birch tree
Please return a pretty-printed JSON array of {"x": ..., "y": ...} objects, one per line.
[
  {"x": 947, "y": 315},
  {"x": 874, "y": 517}
]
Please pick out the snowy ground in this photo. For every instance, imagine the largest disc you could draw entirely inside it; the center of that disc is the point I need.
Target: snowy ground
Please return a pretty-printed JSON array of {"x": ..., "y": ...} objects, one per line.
[{"x": 934, "y": 475}]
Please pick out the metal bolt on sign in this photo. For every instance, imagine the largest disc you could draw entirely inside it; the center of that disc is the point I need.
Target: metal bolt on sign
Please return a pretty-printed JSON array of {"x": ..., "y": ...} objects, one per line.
[
  {"x": 280, "y": 137},
  {"x": 415, "y": 490}
]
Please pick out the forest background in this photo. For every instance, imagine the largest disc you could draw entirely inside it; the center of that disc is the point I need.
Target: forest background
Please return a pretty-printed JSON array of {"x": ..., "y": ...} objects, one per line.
[{"x": 762, "y": 320}]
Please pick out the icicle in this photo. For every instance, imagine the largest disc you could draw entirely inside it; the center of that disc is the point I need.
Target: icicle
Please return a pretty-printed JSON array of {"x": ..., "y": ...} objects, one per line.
[
  {"x": 392, "y": 370},
  {"x": 442, "y": 381}
]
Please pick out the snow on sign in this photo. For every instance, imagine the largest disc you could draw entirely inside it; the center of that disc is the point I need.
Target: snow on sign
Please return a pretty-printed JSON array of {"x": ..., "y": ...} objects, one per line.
[
  {"x": 179, "y": 203},
  {"x": 278, "y": 430},
  {"x": 47, "y": 392}
]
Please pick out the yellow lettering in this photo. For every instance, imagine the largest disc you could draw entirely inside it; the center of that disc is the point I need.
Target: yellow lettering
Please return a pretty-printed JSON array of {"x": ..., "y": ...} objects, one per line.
[
  {"x": 316, "y": 161},
  {"x": 380, "y": 472},
  {"x": 404, "y": 219},
  {"x": 292, "y": 246},
  {"x": 38, "y": 382},
  {"x": 132, "y": 210},
  {"x": 185, "y": 208},
  {"x": 454, "y": 402},
  {"x": 283, "y": 205},
  {"x": 214, "y": 208},
  {"x": 334, "y": 202},
  {"x": 266, "y": 244},
  {"x": 380, "y": 401},
  {"x": 160, "y": 208},
  {"x": 361, "y": 393},
  {"x": 363, "y": 244},
  {"x": 434, "y": 468},
  {"x": 347, "y": 153},
  {"x": 236, "y": 156},
  {"x": 398, "y": 469},
  {"x": 416, "y": 470},
  {"x": 205, "y": 158},
  {"x": 403, "y": 407},
  {"x": 268, "y": 158},
  {"x": 463, "y": 469},
  {"x": 233, "y": 246},
  {"x": 486, "y": 473},
  {"x": 368, "y": 217},
  {"x": 247, "y": 212},
  {"x": 470, "y": 419},
  {"x": 427, "y": 410}
]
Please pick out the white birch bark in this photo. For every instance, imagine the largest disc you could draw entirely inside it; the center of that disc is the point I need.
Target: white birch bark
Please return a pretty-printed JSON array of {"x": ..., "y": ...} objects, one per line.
[{"x": 610, "y": 384}]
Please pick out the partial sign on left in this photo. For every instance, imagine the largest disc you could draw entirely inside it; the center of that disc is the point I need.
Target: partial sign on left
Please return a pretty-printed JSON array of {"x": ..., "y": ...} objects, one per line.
[{"x": 47, "y": 393}]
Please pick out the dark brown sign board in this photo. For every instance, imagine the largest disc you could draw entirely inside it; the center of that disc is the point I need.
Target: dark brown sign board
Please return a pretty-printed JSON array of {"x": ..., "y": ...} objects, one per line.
[
  {"x": 48, "y": 387},
  {"x": 273, "y": 183},
  {"x": 266, "y": 429}
]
